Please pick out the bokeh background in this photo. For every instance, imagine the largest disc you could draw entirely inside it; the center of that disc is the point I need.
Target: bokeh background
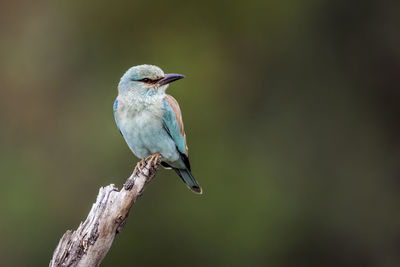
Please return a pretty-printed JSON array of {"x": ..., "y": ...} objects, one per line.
[{"x": 291, "y": 110}]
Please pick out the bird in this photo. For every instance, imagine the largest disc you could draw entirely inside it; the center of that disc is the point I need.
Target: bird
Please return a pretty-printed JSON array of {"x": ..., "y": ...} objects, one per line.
[{"x": 151, "y": 122}]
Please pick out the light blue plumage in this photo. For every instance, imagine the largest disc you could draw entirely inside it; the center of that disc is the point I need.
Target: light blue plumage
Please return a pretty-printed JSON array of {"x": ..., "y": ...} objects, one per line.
[
  {"x": 151, "y": 121},
  {"x": 169, "y": 119}
]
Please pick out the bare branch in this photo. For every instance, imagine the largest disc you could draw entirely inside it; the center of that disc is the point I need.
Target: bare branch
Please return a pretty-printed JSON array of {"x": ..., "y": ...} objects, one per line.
[{"x": 88, "y": 245}]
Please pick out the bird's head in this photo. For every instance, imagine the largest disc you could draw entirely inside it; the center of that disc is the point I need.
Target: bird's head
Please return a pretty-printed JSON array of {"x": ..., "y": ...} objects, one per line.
[{"x": 146, "y": 80}]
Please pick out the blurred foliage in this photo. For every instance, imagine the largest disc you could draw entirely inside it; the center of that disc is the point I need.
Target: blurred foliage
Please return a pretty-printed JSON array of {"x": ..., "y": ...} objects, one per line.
[{"x": 291, "y": 110}]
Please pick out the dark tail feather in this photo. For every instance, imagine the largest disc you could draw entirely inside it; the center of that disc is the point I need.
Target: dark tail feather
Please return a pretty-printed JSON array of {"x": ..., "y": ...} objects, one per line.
[{"x": 189, "y": 180}]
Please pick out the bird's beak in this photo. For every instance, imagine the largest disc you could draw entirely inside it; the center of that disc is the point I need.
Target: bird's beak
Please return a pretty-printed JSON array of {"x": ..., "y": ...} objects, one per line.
[{"x": 169, "y": 78}]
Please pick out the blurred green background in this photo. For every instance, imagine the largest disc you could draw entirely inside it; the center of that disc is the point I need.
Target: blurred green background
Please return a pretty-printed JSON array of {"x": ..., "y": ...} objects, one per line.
[{"x": 291, "y": 109}]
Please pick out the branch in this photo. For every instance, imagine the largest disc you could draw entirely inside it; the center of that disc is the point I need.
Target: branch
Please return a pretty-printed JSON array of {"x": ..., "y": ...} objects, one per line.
[{"x": 89, "y": 244}]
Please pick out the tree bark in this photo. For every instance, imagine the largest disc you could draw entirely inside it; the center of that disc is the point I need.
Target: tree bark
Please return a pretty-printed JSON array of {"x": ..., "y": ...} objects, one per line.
[{"x": 89, "y": 244}]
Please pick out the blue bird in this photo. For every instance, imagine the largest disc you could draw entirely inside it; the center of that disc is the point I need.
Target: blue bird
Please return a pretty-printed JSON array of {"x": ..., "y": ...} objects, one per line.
[{"x": 151, "y": 121}]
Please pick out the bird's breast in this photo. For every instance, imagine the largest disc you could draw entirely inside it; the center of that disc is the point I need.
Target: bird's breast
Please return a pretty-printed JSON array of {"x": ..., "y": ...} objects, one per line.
[
  {"x": 140, "y": 118},
  {"x": 143, "y": 130}
]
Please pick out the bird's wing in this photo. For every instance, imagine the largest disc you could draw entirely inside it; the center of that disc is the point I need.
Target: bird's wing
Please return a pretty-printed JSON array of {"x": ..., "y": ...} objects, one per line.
[
  {"x": 115, "y": 106},
  {"x": 172, "y": 121}
]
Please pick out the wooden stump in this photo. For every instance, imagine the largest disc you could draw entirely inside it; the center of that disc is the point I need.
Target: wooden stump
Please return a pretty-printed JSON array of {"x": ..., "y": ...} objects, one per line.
[{"x": 89, "y": 244}]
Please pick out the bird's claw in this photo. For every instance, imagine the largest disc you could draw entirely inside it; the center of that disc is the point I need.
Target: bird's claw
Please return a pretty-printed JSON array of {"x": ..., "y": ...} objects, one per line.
[
  {"x": 140, "y": 165},
  {"x": 154, "y": 159}
]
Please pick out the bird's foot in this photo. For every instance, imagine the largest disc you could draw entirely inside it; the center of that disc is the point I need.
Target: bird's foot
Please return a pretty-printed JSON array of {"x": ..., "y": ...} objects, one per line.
[
  {"x": 140, "y": 165},
  {"x": 153, "y": 159}
]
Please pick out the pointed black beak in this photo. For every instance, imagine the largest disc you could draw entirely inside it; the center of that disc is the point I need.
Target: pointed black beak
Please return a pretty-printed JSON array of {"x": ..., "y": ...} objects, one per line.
[{"x": 169, "y": 78}]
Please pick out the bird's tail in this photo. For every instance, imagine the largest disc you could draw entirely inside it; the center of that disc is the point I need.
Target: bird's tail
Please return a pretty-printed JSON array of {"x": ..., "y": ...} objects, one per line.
[{"x": 189, "y": 180}]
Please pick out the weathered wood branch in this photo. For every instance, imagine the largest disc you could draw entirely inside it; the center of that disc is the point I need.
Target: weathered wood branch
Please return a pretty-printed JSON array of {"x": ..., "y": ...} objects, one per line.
[{"x": 88, "y": 245}]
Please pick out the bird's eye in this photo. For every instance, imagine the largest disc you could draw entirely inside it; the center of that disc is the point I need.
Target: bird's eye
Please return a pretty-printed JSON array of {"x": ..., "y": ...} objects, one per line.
[{"x": 145, "y": 80}]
